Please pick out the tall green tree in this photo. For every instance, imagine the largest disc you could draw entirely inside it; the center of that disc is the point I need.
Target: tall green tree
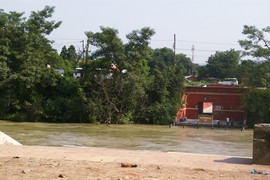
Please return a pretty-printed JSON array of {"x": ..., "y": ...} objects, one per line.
[
  {"x": 256, "y": 74},
  {"x": 188, "y": 67},
  {"x": 223, "y": 64},
  {"x": 257, "y": 103},
  {"x": 166, "y": 84},
  {"x": 164, "y": 93},
  {"x": 109, "y": 45},
  {"x": 71, "y": 54},
  {"x": 112, "y": 92},
  {"x": 256, "y": 44},
  {"x": 64, "y": 52},
  {"x": 25, "y": 55},
  {"x": 245, "y": 72},
  {"x": 164, "y": 58}
]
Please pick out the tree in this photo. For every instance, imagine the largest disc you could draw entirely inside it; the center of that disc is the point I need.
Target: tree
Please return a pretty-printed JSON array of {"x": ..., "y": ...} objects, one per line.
[
  {"x": 64, "y": 53},
  {"x": 164, "y": 58},
  {"x": 166, "y": 85},
  {"x": 202, "y": 72},
  {"x": 138, "y": 52},
  {"x": 71, "y": 54},
  {"x": 25, "y": 54},
  {"x": 261, "y": 75},
  {"x": 257, "y": 45},
  {"x": 257, "y": 74},
  {"x": 109, "y": 45},
  {"x": 114, "y": 95},
  {"x": 254, "y": 74},
  {"x": 257, "y": 103},
  {"x": 136, "y": 96},
  {"x": 117, "y": 85},
  {"x": 223, "y": 64},
  {"x": 245, "y": 72},
  {"x": 186, "y": 63}
]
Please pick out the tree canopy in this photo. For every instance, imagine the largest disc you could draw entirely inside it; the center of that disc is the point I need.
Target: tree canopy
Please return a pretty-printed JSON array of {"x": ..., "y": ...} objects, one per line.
[
  {"x": 257, "y": 44},
  {"x": 117, "y": 85},
  {"x": 25, "y": 55},
  {"x": 221, "y": 65},
  {"x": 121, "y": 82},
  {"x": 124, "y": 93}
]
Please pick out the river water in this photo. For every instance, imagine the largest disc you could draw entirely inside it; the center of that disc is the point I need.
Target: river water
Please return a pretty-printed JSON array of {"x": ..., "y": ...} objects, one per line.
[{"x": 231, "y": 142}]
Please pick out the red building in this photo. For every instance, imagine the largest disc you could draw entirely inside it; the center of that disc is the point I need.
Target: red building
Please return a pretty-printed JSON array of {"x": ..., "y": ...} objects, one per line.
[{"x": 218, "y": 101}]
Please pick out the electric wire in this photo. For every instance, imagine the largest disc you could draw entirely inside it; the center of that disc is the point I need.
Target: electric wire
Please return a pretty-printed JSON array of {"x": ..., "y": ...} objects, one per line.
[{"x": 73, "y": 41}]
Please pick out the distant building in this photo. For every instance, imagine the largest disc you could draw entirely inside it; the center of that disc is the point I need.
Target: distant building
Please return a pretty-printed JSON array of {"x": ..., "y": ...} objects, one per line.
[
  {"x": 221, "y": 101},
  {"x": 60, "y": 71},
  {"x": 229, "y": 81},
  {"x": 78, "y": 72},
  {"x": 190, "y": 78}
]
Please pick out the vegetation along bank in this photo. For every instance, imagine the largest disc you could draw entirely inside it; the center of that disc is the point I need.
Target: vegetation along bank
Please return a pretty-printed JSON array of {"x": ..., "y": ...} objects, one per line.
[{"x": 117, "y": 82}]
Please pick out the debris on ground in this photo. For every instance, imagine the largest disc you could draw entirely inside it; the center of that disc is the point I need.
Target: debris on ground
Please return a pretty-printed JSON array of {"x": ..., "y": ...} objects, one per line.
[
  {"x": 128, "y": 165},
  {"x": 259, "y": 172}
]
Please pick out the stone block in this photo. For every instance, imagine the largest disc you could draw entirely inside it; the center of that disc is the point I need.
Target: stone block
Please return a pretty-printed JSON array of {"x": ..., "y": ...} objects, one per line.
[
  {"x": 261, "y": 144},
  {"x": 262, "y": 131}
]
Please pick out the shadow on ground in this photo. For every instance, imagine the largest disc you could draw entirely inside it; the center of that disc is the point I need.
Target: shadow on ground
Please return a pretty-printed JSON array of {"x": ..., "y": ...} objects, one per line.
[{"x": 236, "y": 160}]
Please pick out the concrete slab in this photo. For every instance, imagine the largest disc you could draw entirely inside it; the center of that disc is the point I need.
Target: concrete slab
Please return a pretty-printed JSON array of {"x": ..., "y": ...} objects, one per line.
[{"x": 5, "y": 139}]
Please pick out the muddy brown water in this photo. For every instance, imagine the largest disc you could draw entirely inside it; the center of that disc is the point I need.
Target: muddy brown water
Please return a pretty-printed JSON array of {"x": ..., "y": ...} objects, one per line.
[{"x": 219, "y": 141}]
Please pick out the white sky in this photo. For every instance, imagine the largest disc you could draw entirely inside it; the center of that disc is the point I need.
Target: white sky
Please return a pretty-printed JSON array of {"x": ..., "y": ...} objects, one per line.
[{"x": 209, "y": 25}]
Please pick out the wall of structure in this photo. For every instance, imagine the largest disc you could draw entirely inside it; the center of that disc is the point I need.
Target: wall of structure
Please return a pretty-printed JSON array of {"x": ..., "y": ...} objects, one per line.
[{"x": 226, "y": 102}]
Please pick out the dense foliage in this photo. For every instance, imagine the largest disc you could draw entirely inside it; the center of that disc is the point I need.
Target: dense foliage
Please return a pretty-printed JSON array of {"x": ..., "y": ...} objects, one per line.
[
  {"x": 257, "y": 45},
  {"x": 257, "y": 74},
  {"x": 25, "y": 54},
  {"x": 122, "y": 82},
  {"x": 257, "y": 102}
]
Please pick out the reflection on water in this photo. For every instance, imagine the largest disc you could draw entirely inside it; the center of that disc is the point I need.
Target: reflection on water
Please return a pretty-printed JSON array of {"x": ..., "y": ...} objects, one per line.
[{"x": 137, "y": 137}]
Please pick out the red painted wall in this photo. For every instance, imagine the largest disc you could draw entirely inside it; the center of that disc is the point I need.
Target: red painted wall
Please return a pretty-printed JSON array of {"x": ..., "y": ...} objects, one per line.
[{"x": 226, "y": 101}]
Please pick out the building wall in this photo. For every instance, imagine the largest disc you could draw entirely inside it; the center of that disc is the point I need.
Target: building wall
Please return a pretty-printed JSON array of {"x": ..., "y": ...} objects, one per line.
[{"x": 226, "y": 102}]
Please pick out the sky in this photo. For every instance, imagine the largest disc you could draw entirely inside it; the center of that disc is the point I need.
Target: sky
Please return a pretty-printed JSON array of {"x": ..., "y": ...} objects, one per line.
[{"x": 208, "y": 25}]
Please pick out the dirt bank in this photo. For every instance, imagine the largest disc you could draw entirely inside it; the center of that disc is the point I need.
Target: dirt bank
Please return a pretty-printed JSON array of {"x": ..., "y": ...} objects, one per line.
[{"x": 36, "y": 162}]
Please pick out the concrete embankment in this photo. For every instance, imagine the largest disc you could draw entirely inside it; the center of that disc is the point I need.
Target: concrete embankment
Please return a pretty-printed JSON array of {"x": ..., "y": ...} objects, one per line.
[{"x": 5, "y": 139}]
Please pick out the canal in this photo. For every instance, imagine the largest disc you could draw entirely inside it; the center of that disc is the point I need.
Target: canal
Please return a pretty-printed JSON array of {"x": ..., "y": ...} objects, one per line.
[{"x": 231, "y": 142}]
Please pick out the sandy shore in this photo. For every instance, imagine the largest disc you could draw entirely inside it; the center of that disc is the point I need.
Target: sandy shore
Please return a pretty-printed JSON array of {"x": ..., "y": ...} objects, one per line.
[{"x": 36, "y": 162}]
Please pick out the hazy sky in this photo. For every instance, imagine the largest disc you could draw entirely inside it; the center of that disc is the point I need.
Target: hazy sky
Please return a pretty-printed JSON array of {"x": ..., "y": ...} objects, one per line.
[{"x": 209, "y": 25}]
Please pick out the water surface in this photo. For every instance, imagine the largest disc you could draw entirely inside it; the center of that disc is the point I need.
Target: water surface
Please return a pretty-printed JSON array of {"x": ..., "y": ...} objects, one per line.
[{"x": 134, "y": 137}]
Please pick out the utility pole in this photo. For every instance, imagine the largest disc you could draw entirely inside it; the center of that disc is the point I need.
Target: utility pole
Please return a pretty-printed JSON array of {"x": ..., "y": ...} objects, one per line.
[
  {"x": 192, "y": 49},
  {"x": 174, "y": 49},
  {"x": 83, "y": 49}
]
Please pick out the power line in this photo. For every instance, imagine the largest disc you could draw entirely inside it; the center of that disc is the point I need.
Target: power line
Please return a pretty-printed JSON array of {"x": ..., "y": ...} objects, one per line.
[
  {"x": 202, "y": 50},
  {"x": 63, "y": 43},
  {"x": 174, "y": 41},
  {"x": 193, "y": 49},
  {"x": 160, "y": 40},
  {"x": 214, "y": 43},
  {"x": 163, "y": 40},
  {"x": 198, "y": 42},
  {"x": 65, "y": 38},
  {"x": 174, "y": 48}
]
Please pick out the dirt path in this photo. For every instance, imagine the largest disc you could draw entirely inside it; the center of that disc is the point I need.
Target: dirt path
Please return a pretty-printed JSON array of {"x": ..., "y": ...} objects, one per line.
[{"x": 36, "y": 162}]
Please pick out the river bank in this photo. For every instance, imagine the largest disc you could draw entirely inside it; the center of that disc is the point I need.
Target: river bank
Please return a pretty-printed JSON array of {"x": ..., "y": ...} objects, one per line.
[{"x": 41, "y": 162}]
